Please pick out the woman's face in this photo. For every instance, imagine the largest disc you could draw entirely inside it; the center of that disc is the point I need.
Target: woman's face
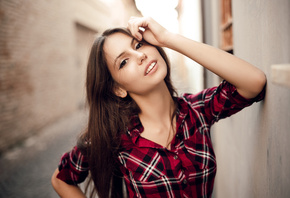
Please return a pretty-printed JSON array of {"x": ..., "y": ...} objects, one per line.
[{"x": 136, "y": 67}]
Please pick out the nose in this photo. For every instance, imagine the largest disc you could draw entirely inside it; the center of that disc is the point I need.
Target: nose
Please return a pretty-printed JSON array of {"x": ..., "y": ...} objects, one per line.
[{"x": 141, "y": 56}]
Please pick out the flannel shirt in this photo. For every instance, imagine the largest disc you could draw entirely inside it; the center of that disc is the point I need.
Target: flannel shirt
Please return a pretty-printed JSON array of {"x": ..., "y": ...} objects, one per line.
[{"x": 186, "y": 170}]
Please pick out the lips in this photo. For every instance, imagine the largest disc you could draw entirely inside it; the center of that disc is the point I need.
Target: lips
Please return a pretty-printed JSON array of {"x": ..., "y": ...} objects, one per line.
[{"x": 150, "y": 67}]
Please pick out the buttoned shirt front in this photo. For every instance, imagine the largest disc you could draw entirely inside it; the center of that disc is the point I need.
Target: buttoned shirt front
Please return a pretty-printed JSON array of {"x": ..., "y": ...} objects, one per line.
[{"x": 188, "y": 168}]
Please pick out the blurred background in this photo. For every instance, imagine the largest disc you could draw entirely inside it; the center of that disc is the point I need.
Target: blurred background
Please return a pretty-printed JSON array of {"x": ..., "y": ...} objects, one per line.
[{"x": 44, "y": 46}]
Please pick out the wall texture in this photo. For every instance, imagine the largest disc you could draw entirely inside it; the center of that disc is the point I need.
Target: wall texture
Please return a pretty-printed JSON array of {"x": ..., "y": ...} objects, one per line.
[
  {"x": 252, "y": 146},
  {"x": 44, "y": 46}
]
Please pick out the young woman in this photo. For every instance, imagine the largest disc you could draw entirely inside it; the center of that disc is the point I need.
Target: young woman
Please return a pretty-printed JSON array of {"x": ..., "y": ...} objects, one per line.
[{"x": 139, "y": 131}]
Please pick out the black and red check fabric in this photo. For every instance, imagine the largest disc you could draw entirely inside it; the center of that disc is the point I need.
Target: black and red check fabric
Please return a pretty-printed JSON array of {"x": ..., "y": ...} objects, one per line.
[{"x": 188, "y": 168}]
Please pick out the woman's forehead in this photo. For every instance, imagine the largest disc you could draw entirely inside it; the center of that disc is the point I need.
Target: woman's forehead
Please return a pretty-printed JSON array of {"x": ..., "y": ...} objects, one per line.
[
  {"x": 116, "y": 44},
  {"x": 117, "y": 40}
]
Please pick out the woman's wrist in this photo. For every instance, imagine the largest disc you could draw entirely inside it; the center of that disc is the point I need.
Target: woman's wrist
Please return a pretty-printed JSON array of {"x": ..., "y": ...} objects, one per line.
[{"x": 169, "y": 39}]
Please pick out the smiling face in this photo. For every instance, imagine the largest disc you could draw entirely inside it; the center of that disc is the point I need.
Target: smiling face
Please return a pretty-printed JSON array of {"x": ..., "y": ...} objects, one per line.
[{"x": 136, "y": 67}]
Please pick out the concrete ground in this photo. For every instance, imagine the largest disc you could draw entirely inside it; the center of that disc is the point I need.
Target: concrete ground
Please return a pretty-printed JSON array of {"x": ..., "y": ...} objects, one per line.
[{"x": 26, "y": 170}]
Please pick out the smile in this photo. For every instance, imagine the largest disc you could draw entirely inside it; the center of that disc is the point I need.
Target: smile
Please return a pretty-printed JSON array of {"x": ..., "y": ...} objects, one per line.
[{"x": 152, "y": 65}]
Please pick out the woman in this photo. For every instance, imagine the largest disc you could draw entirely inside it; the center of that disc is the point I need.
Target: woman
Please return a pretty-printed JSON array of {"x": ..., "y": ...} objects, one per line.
[{"x": 139, "y": 130}]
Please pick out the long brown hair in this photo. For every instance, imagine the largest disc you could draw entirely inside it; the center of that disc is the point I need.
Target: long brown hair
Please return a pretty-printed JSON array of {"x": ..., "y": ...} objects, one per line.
[{"x": 108, "y": 117}]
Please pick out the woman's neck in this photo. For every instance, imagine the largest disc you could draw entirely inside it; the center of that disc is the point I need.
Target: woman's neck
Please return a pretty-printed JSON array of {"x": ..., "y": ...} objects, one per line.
[
  {"x": 156, "y": 116},
  {"x": 156, "y": 106}
]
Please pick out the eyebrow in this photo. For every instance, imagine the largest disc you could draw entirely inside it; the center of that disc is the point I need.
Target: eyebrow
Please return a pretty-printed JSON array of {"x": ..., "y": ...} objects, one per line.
[{"x": 132, "y": 42}]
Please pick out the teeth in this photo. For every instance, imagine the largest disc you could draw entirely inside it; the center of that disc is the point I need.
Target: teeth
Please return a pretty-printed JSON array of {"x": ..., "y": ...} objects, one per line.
[{"x": 150, "y": 67}]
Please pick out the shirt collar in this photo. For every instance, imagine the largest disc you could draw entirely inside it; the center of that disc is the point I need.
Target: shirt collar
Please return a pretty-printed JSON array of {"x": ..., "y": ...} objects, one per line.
[
  {"x": 182, "y": 108},
  {"x": 135, "y": 127}
]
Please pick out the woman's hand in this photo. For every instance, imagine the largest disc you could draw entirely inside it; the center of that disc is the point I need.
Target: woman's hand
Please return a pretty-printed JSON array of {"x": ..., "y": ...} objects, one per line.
[
  {"x": 248, "y": 79},
  {"x": 148, "y": 29}
]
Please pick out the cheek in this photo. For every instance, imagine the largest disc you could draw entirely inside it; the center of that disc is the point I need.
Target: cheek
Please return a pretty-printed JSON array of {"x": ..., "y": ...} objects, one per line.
[{"x": 126, "y": 77}]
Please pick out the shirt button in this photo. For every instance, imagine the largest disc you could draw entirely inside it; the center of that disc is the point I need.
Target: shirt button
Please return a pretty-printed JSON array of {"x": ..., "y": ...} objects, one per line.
[
  {"x": 184, "y": 181},
  {"x": 175, "y": 157}
]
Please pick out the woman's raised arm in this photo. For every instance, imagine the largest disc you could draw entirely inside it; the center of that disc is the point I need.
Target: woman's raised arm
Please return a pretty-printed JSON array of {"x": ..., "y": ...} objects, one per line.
[{"x": 248, "y": 79}]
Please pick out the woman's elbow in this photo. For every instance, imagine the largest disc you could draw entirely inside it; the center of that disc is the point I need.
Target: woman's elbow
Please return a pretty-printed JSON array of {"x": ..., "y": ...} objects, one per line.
[
  {"x": 260, "y": 83},
  {"x": 257, "y": 85},
  {"x": 65, "y": 190},
  {"x": 253, "y": 86},
  {"x": 54, "y": 180}
]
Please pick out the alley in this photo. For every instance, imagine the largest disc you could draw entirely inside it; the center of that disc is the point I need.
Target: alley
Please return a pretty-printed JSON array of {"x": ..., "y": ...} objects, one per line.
[
  {"x": 44, "y": 51},
  {"x": 26, "y": 170}
]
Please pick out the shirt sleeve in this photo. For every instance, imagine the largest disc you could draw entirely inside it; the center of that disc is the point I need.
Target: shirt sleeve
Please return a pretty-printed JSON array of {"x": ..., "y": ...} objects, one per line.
[
  {"x": 73, "y": 167},
  {"x": 220, "y": 102}
]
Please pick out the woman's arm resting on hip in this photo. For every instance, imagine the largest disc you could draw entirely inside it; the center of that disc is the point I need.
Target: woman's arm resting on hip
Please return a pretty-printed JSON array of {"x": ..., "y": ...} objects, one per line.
[{"x": 65, "y": 190}]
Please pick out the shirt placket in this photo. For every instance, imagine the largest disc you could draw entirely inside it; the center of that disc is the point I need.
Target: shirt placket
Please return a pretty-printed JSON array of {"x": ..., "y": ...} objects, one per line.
[{"x": 177, "y": 156}]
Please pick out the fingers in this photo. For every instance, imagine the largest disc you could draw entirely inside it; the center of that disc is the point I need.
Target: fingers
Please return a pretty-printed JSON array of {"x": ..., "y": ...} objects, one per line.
[
  {"x": 148, "y": 29},
  {"x": 137, "y": 26}
]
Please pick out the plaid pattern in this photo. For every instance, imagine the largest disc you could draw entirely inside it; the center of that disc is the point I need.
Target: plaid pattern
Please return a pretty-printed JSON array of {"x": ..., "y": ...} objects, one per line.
[
  {"x": 186, "y": 170},
  {"x": 73, "y": 167}
]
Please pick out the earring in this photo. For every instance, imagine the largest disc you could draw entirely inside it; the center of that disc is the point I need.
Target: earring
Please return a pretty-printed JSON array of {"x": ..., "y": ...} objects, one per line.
[{"x": 123, "y": 94}]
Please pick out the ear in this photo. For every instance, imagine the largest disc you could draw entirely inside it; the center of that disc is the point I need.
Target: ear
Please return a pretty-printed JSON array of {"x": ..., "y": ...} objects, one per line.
[{"x": 122, "y": 93}]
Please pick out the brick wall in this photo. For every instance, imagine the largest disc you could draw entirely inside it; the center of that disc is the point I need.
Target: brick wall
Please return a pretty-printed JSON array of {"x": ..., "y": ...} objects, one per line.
[{"x": 43, "y": 51}]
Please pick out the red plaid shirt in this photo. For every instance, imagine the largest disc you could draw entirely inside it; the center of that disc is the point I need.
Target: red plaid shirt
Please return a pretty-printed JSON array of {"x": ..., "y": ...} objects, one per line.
[{"x": 186, "y": 170}]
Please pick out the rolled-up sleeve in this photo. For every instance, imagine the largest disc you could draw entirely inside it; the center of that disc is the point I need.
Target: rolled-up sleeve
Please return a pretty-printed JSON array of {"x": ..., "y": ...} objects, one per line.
[
  {"x": 73, "y": 167},
  {"x": 222, "y": 101},
  {"x": 226, "y": 101}
]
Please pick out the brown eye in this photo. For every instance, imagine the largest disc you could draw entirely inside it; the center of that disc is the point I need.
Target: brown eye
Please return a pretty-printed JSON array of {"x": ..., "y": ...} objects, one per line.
[
  {"x": 123, "y": 63},
  {"x": 139, "y": 45}
]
